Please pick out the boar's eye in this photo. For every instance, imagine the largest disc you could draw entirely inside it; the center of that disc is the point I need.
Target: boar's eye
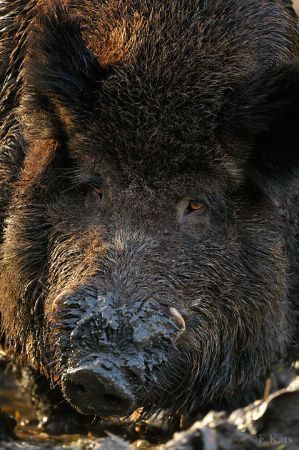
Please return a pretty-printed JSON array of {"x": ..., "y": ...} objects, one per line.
[
  {"x": 94, "y": 197},
  {"x": 97, "y": 193},
  {"x": 195, "y": 205}
]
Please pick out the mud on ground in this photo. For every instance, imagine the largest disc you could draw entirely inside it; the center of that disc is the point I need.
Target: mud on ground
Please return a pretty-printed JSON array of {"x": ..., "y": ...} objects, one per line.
[{"x": 269, "y": 423}]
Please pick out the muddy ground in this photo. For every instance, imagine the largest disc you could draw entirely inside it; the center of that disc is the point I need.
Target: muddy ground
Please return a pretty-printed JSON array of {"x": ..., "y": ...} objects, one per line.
[{"x": 269, "y": 423}]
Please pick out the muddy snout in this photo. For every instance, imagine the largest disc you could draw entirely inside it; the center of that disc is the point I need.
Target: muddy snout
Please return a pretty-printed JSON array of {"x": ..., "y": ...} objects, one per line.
[
  {"x": 119, "y": 349},
  {"x": 95, "y": 391}
]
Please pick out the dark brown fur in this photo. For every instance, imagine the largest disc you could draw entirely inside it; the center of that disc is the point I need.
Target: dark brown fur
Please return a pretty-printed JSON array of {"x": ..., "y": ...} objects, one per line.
[{"x": 151, "y": 103}]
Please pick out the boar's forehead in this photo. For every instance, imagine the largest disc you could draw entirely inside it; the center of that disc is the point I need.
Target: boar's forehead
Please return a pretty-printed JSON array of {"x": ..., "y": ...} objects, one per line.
[
  {"x": 171, "y": 66},
  {"x": 147, "y": 130},
  {"x": 132, "y": 146},
  {"x": 187, "y": 31}
]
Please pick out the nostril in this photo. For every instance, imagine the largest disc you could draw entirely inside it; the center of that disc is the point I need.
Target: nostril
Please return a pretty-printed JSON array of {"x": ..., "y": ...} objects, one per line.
[
  {"x": 79, "y": 388},
  {"x": 75, "y": 389},
  {"x": 93, "y": 391},
  {"x": 109, "y": 398}
]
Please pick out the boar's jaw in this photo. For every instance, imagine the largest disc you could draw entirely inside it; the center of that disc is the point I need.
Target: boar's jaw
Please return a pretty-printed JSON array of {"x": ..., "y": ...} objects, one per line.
[{"x": 113, "y": 351}]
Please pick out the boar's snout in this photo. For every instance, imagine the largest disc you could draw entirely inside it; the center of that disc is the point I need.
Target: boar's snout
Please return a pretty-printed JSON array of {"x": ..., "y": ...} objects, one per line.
[
  {"x": 115, "y": 350},
  {"x": 92, "y": 391}
]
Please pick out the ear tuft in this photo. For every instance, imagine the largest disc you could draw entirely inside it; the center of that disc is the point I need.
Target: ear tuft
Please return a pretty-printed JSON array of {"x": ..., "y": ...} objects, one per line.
[
  {"x": 61, "y": 76},
  {"x": 264, "y": 115}
]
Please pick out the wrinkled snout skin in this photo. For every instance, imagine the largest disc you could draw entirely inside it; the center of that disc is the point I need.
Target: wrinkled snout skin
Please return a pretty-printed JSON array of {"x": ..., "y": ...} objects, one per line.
[
  {"x": 112, "y": 349},
  {"x": 149, "y": 198}
]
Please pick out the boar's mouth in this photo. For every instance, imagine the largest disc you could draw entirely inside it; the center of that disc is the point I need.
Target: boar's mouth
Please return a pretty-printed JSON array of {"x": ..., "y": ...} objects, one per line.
[{"x": 114, "y": 351}]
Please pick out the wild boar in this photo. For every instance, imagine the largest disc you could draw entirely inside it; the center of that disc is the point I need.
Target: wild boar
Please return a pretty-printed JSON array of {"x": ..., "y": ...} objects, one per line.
[{"x": 148, "y": 205}]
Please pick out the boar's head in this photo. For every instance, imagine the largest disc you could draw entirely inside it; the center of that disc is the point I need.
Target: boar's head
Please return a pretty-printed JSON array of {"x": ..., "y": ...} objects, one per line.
[{"x": 147, "y": 248}]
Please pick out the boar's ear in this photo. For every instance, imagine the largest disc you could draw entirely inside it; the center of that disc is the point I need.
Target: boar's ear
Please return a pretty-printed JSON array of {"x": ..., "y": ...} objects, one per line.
[
  {"x": 61, "y": 76},
  {"x": 264, "y": 117}
]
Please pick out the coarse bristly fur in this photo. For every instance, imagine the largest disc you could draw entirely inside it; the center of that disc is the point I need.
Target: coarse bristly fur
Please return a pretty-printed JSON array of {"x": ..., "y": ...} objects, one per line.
[{"x": 115, "y": 115}]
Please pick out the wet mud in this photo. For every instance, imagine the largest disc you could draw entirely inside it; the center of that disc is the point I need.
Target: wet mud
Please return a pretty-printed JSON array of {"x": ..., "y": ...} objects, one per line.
[{"x": 270, "y": 423}]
